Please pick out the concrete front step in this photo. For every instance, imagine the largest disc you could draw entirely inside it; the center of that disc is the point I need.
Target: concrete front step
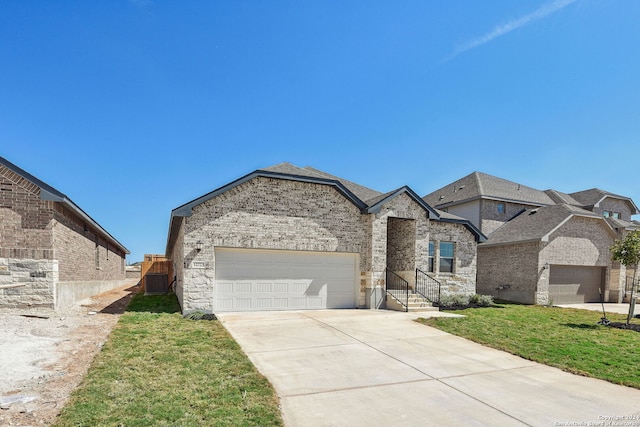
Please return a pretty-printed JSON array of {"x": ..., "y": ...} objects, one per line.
[{"x": 416, "y": 303}]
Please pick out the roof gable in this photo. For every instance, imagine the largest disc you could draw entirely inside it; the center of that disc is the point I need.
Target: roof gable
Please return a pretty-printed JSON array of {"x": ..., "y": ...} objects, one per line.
[
  {"x": 537, "y": 224},
  {"x": 49, "y": 193},
  {"x": 367, "y": 200},
  {"x": 375, "y": 204},
  {"x": 185, "y": 210},
  {"x": 594, "y": 196}
]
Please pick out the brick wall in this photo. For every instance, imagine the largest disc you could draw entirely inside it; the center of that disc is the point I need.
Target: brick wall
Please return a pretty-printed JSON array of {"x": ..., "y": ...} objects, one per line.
[
  {"x": 518, "y": 270},
  {"x": 268, "y": 213},
  {"x": 614, "y": 205},
  {"x": 580, "y": 241},
  {"x": 401, "y": 244},
  {"x": 82, "y": 253},
  {"x": 24, "y": 219},
  {"x": 263, "y": 213},
  {"x": 583, "y": 241},
  {"x": 492, "y": 219},
  {"x": 509, "y": 271},
  {"x": 44, "y": 247}
]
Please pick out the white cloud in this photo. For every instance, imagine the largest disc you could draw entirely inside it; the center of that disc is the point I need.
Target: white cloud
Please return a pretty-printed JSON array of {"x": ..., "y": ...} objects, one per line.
[{"x": 501, "y": 30}]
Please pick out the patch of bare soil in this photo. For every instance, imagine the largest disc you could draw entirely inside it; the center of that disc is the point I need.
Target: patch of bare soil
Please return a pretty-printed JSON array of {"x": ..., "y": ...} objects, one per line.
[
  {"x": 620, "y": 325},
  {"x": 45, "y": 355}
]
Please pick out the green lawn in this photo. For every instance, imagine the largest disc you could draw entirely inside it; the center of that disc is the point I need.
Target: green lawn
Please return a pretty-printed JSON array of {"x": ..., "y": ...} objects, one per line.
[
  {"x": 565, "y": 338},
  {"x": 158, "y": 369}
]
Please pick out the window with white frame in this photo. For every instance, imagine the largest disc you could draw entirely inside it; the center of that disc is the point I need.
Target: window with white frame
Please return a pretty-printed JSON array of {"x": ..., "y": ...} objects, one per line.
[
  {"x": 446, "y": 258},
  {"x": 431, "y": 258}
]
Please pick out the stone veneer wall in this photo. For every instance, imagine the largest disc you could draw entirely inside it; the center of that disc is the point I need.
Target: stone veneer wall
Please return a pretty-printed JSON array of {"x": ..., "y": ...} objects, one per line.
[
  {"x": 28, "y": 283},
  {"x": 265, "y": 213},
  {"x": 384, "y": 231},
  {"x": 463, "y": 278}
]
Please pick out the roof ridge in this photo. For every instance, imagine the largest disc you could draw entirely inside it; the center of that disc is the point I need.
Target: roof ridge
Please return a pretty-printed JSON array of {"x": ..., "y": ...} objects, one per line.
[{"x": 476, "y": 175}]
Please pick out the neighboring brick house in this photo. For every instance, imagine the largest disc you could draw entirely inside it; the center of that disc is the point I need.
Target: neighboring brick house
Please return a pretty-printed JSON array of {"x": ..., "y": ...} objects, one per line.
[
  {"x": 542, "y": 246},
  {"x": 52, "y": 253},
  {"x": 297, "y": 238}
]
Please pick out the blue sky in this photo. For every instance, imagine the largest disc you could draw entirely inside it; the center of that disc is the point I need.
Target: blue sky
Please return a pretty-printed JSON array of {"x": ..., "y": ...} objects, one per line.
[{"x": 133, "y": 108}]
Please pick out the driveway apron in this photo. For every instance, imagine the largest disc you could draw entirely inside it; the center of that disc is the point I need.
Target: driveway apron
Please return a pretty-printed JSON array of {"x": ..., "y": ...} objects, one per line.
[{"x": 377, "y": 367}]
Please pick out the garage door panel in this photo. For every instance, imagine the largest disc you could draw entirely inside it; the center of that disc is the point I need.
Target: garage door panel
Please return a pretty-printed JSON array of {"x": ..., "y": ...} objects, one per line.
[
  {"x": 575, "y": 284},
  {"x": 263, "y": 303},
  {"x": 279, "y": 280}
]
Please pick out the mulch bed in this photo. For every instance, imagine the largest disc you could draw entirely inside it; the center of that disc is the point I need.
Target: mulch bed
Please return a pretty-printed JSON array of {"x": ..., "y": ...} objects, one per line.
[{"x": 621, "y": 325}]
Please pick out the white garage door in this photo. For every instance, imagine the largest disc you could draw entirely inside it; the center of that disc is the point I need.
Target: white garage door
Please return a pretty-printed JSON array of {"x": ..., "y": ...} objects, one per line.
[
  {"x": 248, "y": 280},
  {"x": 575, "y": 284}
]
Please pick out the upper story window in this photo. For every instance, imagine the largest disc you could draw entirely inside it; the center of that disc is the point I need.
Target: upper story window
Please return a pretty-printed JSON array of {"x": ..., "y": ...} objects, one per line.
[
  {"x": 606, "y": 214},
  {"x": 501, "y": 208},
  {"x": 447, "y": 251},
  {"x": 616, "y": 215}
]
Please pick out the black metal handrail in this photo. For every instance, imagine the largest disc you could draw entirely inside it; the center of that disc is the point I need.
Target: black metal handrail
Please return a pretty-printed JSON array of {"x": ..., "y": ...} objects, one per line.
[
  {"x": 427, "y": 286},
  {"x": 397, "y": 287}
]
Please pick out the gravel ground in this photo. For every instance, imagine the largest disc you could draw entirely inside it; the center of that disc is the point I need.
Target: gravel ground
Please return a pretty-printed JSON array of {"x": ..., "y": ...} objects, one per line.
[{"x": 44, "y": 355}]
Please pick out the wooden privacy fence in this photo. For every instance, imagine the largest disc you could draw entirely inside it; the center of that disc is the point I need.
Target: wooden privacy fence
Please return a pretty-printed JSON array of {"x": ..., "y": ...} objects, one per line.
[{"x": 157, "y": 274}]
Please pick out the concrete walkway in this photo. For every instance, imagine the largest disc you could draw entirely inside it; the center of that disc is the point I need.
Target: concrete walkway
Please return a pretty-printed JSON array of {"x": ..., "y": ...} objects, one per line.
[
  {"x": 609, "y": 307},
  {"x": 379, "y": 368}
]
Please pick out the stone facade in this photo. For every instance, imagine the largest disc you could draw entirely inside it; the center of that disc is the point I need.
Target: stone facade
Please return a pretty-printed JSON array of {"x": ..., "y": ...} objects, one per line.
[
  {"x": 275, "y": 213},
  {"x": 463, "y": 278},
  {"x": 49, "y": 257}
]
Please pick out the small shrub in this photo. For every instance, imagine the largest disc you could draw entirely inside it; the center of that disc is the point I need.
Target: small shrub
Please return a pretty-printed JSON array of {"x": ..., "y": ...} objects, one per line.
[
  {"x": 200, "y": 315},
  {"x": 454, "y": 300},
  {"x": 461, "y": 301},
  {"x": 482, "y": 300}
]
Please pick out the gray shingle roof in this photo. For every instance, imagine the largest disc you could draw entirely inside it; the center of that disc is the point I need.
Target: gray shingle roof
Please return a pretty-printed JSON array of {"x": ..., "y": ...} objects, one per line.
[
  {"x": 593, "y": 196},
  {"x": 622, "y": 224},
  {"x": 362, "y": 192},
  {"x": 534, "y": 224},
  {"x": 481, "y": 185},
  {"x": 560, "y": 197}
]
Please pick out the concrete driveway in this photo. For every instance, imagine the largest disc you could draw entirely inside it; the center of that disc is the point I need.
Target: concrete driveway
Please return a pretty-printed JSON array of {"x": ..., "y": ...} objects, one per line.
[{"x": 370, "y": 367}]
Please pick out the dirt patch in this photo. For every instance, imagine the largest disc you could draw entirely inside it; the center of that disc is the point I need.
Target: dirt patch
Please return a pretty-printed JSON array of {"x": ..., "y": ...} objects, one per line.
[
  {"x": 45, "y": 355},
  {"x": 631, "y": 326}
]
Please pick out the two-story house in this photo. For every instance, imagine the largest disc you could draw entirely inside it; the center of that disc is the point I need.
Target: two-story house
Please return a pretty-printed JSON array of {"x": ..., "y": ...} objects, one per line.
[{"x": 543, "y": 247}]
